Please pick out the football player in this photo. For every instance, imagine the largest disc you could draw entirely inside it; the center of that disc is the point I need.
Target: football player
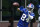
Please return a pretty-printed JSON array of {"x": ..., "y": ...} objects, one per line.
[
  {"x": 26, "y": 16},
  {"x": 38, "y": 6}
]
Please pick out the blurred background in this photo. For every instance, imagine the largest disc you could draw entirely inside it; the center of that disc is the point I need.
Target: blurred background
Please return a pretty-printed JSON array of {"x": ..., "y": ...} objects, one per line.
[
  {"x": 7, "y": 7},
  {"x": 7, "y": 4}
]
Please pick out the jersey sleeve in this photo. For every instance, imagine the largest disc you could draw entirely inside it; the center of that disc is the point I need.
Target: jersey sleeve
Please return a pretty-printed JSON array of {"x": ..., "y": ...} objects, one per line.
[
  {"x": 31, "y": 16},
  {"x": 21, "y": 8}
]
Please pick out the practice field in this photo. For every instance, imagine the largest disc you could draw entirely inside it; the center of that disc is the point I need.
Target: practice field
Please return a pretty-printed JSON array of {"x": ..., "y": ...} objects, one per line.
[{"x": 6, "y": 24}]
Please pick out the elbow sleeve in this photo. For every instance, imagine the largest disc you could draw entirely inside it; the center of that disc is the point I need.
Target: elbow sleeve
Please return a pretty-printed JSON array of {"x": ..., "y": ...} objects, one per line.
[{"x": 30, "y": 17}]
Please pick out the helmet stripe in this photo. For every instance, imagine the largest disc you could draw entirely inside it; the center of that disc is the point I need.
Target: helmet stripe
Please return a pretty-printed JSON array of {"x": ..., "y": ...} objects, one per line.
[{"x": 30, "y": 5}]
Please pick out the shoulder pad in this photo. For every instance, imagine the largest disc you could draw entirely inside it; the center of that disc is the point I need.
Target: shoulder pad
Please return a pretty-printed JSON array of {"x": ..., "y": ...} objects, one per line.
[{"x": 32, "y": 14}]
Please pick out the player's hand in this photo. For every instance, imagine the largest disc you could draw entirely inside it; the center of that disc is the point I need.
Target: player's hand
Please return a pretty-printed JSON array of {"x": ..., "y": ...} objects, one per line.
[{"x": 18, "y": 8}]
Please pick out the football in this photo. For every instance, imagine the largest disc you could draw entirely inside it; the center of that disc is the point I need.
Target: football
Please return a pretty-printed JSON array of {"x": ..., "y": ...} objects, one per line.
[{"x": 16, "y": 4}]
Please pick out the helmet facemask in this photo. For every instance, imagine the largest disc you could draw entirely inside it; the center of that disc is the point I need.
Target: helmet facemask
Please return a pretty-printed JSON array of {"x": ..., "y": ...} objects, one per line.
[{"x": 29, "y": 9}]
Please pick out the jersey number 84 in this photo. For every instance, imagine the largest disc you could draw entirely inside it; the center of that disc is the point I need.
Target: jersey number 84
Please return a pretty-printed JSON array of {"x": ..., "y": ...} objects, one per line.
[{"x": 23, "y": 18}]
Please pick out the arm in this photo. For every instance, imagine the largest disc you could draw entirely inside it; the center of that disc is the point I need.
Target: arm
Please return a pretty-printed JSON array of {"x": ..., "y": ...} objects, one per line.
[
  {"x": 30, "y": 17},
  {"x": 21, "y": 8}
]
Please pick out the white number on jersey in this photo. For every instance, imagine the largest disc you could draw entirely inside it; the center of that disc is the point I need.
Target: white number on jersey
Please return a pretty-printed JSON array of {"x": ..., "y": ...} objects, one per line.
[
  {"x": 23, "y": 17},
  {"x": 39, "y": 11},
  {"x": 27, "y": 20}
]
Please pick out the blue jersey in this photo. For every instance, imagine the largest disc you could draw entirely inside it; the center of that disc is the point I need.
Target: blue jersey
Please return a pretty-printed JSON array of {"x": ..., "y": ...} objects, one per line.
[
  {"x": 38, "y": 6},
  {"x": 22, "y": 21}
]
